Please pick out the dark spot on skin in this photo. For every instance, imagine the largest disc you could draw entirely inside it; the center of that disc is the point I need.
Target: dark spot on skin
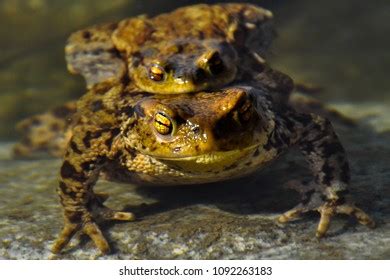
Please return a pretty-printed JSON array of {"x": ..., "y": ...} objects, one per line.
[
  {"x": 89, "y": 136},
  {"x": 86, "y": 35},
  {"x": 125, "y": 80},
  {"x": 88, "y": 165},
  {"x": 180, "y": 48},
  {"x": 74, "y": 217},
  {"x": 65, "y": 190},
  {"x": 68, "y": 171},
  {"x": 74, "y": 147},
  {"x": 87, "y": 139},
  {"x": 97, "y": 105},
  {"x": 108, "y": 142},
  {"x": 114, "y": 133},
  {"x": 257, "y": 153},
  {"x": 132, "y": 152},
  {"x": 114, "y": 52},
  {"x": 128, "y": 110},
  {"x": 248, "y": 163}
]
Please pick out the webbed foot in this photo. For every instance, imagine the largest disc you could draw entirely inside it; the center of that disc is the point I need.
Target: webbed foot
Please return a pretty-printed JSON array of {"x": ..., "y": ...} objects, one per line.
[
  {"x": 313, "y": 201},
  {"x": 85, "y": 222}
]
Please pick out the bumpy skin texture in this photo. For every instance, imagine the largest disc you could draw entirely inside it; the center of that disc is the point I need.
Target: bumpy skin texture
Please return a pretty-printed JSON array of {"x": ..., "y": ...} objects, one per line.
[
  {"x": 116, "y": 132},
  {"x": 191, "y": 49}
]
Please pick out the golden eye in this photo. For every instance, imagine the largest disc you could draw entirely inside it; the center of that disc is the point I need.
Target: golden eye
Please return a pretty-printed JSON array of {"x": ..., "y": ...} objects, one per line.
[
  {"x": 156, "y": 73},
  {"x": 215, "y": 64},
  {"x": 163, "y": 124}
]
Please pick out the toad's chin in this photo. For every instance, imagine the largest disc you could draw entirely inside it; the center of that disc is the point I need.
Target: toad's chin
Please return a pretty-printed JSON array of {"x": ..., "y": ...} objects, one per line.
[{"x": 208, "y": 162}]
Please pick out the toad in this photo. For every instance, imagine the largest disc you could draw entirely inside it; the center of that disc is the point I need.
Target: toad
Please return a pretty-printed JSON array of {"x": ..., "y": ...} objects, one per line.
[
  {"x": 193, "y": 139},
  {"x": 193, "y": 48}
]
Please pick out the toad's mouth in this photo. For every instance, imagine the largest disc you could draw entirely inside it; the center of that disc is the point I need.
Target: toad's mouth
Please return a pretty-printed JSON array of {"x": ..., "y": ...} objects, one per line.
[{"x": 213, "y": 161}]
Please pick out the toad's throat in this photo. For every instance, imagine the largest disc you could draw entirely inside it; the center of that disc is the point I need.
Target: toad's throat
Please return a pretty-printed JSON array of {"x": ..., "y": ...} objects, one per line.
[{"x": 213, "y": 161}]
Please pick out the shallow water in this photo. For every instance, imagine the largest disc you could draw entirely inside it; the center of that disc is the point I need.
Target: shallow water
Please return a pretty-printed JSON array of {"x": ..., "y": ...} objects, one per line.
[{"x": 341, "y": 47}]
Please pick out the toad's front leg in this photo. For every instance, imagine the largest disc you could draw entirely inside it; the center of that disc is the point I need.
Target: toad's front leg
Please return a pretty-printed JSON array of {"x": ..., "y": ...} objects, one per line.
[
  {"x": 82, "y": 207},
  {"x": 319, "y": 143}
]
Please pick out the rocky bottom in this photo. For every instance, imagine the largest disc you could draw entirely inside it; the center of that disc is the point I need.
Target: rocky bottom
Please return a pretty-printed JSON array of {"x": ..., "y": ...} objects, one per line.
[{"x": 228, "y": 220}]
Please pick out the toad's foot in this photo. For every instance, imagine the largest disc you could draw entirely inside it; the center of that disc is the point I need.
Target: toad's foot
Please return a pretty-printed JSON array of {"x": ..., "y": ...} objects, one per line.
[
  {"x": 89, "y": 227},
  {"x": 327, "y": 210}
]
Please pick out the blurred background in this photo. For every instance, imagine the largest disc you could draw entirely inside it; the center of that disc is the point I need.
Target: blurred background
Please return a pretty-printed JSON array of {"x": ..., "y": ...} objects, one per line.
[{"x": 342, "y": 46}]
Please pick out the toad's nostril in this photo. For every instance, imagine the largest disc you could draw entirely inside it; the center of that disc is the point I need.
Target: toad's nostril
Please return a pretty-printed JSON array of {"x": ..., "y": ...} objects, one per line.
[
  {"x": 196, "y": 130},
  {"x": 200, "y": 75},
  {"x": 245, "y": 111}
]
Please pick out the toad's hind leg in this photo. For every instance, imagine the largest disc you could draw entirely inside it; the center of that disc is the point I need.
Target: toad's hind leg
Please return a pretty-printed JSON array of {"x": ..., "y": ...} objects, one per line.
[
  {"x": 320, "y": 145},
  {"x": 82, "y": 210}
]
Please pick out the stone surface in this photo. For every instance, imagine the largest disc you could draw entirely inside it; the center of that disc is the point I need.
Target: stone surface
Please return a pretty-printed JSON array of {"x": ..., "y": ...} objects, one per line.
[
  {"x": 340, "y": 48},
  {"x": 229, "y": 220}
]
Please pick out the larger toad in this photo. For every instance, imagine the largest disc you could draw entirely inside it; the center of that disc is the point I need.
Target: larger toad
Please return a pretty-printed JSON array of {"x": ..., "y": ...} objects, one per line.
[
  {"x": 191, "y": 49},
  {"x": 192, "y": 138}
]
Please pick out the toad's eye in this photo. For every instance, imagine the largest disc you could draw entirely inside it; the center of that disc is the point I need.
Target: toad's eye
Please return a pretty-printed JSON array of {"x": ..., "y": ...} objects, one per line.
[
  {"x": 215, "y": 64},
  {"x": 156, "y": 73},
  {"x": 163, "y": 124}
]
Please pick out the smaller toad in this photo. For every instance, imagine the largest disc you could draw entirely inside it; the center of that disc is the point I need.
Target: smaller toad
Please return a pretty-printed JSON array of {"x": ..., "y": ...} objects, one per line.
[{"x": 190, "y": 49}]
